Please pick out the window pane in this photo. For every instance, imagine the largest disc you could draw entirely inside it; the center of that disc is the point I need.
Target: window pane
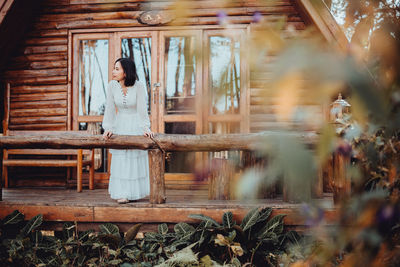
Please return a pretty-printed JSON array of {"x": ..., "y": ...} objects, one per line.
[
  {"x": 93, "y": 76},
  {"x": 139, "y": 50},
  {"x": 180, "y": 162},
  {"x": 224, "y": 66},
  {"x": 180, "y": 75}
]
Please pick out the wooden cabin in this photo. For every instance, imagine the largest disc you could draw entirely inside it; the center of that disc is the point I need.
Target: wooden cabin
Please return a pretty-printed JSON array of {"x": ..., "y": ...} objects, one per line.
[{"x": 56, "y": 59}]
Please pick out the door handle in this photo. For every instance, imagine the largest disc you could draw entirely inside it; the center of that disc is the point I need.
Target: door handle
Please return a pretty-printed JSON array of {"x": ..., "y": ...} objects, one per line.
[
  {"x": 161, "y": 97},
  {"x": 155, "y": 85}
]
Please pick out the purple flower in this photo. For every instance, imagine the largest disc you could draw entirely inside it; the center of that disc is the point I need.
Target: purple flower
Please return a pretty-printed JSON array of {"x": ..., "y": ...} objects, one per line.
[
  {"x": 222, "y": 17},
  {"x": 257, "y": 17},
  {"x": 344, "y": 149},
  {"x": 313, "y": 215}
]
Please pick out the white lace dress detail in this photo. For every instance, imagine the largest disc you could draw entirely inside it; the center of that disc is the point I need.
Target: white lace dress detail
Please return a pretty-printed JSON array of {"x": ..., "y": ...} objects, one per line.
[{"x": 127, "y": 115}]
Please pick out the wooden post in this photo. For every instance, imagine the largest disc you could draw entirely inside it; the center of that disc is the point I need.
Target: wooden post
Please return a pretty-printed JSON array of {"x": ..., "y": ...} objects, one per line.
[
  {"x": 220, "y": 180},
  {"x": 79, "y": 171},
  {"x": 1, "y": 175},
  {"x": 91, "y": 170},
  {"x": 317, "y": 189},
  {"x": 156, "y": 169},
  {"x": 341, "y": 183}
]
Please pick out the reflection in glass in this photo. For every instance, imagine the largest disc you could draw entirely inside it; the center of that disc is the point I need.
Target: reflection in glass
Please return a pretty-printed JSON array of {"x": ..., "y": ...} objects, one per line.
[
  {"x": 224, "y": 60},
  {"x": 224, "y": 127},
  {"x": 180, "y": 162},
  {"x": 139, "y": 50},
  {"x": 93, "y": 76},
  {"x": 180, "y": 75}
]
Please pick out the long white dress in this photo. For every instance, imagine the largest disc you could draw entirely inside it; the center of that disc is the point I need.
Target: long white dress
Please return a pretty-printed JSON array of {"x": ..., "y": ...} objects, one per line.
[{"x": 127, "y": 115}]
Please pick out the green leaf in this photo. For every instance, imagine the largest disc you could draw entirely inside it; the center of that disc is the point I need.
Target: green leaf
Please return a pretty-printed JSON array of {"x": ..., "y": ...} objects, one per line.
[
  {"x": 83, "y": 236},
  {"x": 264, "y": 214},
  {"x": 132, "y": 232},
  {"x": 274, "y": 225},
  {"x": 163, "y": 229},
  {"x": 68, "y": 230},
  {"x": 250, "y": 219},
  {"x": 13, "y": 218},
  {"x": 227, "y": 220},
  {"x": 204, "y": 218},
  {"x": 236, "y": 262},
  {"x": 34, "y": 223},
  {"x": 183, "y": 229},
  {"x": 37, "y": 237},
  {"x": 231, "y": 236},
  {"x": 109, "y": 228}
]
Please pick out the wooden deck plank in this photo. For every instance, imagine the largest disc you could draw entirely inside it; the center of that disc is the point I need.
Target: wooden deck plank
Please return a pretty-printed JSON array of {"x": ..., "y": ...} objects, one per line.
[{"x": 95, "y": 206}]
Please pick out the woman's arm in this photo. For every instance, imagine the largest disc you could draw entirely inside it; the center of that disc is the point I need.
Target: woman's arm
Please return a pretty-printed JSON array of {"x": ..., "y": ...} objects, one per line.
[
  {"x": 142, "y": 103},
  {"x": 109, "y": 113}
]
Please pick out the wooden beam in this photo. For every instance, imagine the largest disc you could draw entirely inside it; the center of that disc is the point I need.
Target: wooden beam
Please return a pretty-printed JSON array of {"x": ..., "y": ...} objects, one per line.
[
  {"x": 169, "y": 142},
  {"x": 4, "y": 8}
]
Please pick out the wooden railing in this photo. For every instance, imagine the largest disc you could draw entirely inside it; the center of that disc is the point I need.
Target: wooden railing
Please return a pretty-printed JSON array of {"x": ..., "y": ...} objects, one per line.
[{"x": 162, "y": 143}]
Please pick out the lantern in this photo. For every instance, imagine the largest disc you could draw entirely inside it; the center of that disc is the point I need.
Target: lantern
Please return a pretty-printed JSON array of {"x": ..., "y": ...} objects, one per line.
[{"x": 338, "y": 109}]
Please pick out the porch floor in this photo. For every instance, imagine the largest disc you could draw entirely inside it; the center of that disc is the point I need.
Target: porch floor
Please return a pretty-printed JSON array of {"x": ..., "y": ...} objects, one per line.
[{"x": 95, "y": 206}]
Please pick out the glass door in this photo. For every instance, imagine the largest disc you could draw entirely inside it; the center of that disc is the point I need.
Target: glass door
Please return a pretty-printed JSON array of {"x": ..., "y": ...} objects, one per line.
[{"x": 180, "y": 92}]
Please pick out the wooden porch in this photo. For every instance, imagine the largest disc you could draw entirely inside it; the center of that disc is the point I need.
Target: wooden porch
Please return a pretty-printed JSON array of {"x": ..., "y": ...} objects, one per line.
[{"x": 92, "y": 207}]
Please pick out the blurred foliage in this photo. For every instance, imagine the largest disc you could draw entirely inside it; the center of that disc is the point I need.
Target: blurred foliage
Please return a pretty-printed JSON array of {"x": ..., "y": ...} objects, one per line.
[{"x": 257, "y": 241}]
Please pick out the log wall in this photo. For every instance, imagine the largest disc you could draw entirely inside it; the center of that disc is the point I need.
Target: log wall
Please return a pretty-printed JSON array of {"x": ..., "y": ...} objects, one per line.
[
  {"x": 38, "y": 70},
  {"x": 37, "y": 73}
]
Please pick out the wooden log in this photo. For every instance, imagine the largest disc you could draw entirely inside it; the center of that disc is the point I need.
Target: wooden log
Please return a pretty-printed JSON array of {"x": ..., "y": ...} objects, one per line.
[
  {"x": 38, "y": 97},
  {"x": 49, "y": 126},
  {"x": 48, "y": 33},
  {"x": 46, "y": 41},
  {"x": 91, "y": 170},
  {"x": 42, "y": 57},
  {"x": 317, "y": 189},
  {"x": 85, "y": 8},
  {"x": 37, "y": 111},
  {"x": 91, "y": 16},
  {"x": 341, "y": 183},
  {"x": 157, "y": 184},
  {"x": 38, "y": 120},
  {"x": 35, "y": 73},
  {"x": 79, "y": 171},
  {"x": 195, "y": 12},
  {"x": 39, "y": 104},
  {"x": 38, "y": 80},
  {"x": 169, "y": 142},
  {"x": 1, "y": 174},
  {"x": 220, "y": 180},
  {"x": 164, "y": 5},
  {"x": 28, "y": 89},
  {"x": 45, "y": 49}
]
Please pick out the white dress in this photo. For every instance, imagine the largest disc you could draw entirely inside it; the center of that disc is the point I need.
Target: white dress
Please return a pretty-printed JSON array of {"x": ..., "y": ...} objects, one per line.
[{"x": 127, "y": 115}]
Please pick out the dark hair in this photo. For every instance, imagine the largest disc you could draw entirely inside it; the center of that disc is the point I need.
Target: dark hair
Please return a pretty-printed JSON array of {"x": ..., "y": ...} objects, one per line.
[{"x": 129, "y": 68}]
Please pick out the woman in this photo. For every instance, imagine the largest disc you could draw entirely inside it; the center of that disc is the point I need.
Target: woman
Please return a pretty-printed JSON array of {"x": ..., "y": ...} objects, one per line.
[{"x": 126, "y": 114}]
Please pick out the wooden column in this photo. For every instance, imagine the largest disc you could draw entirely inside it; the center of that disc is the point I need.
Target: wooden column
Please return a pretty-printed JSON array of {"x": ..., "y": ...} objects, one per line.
[
  {"x": 317, "y": 188},
  {"x": 1, "y": 175},
  {"x": 156, "y": 169},
  {"x": 341, "y": 183},
  {"x": 219, "y": 186},
  {"x": 91, "y": 170},
  {"x": 79, "y": 171}
]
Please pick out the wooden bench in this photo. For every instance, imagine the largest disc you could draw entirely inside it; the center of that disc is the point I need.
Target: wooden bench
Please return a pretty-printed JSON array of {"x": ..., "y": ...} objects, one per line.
[{"x": 71, "y": 158}]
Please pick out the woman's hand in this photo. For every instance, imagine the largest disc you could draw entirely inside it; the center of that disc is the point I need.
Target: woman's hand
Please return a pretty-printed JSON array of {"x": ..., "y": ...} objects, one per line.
[
  {"x": 149, "y": 134},
  {"x": 107, "y": 135}
]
